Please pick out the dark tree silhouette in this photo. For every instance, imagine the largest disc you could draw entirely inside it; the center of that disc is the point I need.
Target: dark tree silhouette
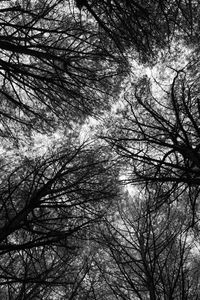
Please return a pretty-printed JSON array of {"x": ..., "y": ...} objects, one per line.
[
  {"x": 151, "y": 254},
  {"x": 48, "y": 207},
  {"x": 160, "y": 137},
  {"x": 145, "y": 26},
  {"x": 53, "y": 66},
  {"x": 60, "y": 63}
]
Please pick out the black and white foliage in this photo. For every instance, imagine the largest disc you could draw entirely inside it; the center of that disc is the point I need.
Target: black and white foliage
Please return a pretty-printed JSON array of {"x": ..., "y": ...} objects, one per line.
[{"x": 99, "y": 162}]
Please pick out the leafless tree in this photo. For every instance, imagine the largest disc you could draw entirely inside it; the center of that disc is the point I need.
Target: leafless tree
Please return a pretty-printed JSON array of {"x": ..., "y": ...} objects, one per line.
[
  {"x": 48, "y": 207},
  {"x": 152, "y": 254}
]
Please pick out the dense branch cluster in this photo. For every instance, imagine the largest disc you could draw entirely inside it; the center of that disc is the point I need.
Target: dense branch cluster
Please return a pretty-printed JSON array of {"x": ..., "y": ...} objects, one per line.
[{"x": 113, "y": 212}]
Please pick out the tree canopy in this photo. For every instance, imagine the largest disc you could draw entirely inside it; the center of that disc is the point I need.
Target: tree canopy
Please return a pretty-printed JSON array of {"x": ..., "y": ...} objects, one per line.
[{"x": 100, "y": 150}]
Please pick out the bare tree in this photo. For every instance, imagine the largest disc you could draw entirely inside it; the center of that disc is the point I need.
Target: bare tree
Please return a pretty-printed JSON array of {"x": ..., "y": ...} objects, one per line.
[
  {"x": 48, "y": 207},
  {"x": 146, "y": 26},
  {"x": 152, "y": 255},
  {"x": 53, "y": 66},
  {"x": 160, "y": 137}
]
